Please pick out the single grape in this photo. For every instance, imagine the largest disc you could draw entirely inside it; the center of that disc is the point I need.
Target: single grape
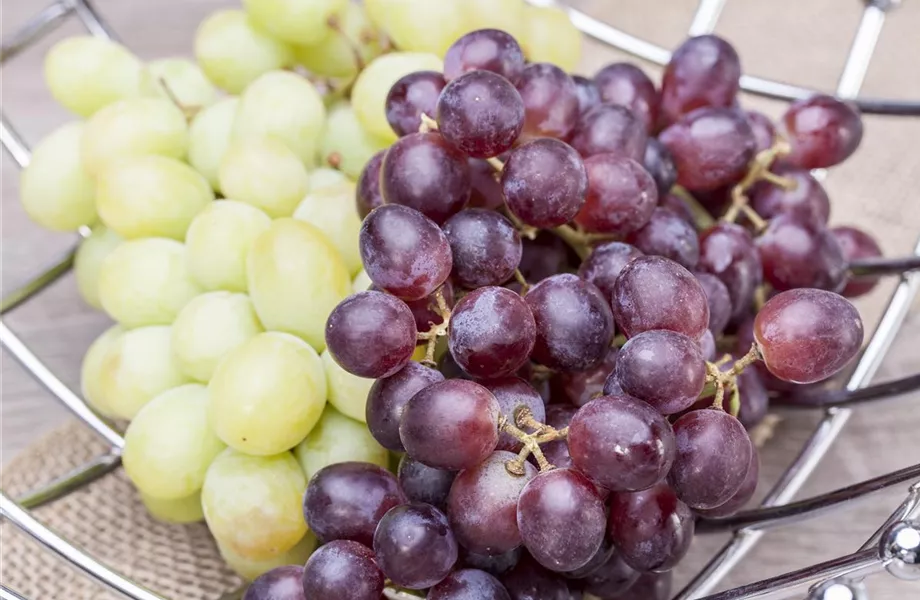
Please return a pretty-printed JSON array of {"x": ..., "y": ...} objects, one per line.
[
  {"x": 822, "y": 130},
  {"x": 178, "y": 78},
  {"x": 581, "y": 387},
  {"x": 558, "y": 416},
  {"x": 413, "y": 95},
  {"x": 367, "y": 193},
  {"x": 679, "y": 206},
  {"x": 530, "y": 581},
  {"x": 294, "y": 22},
  {"x": 589, "y": 94},
  {"x": 469, "y": 584},
  {"x": 422, "y": 483},
  {"x": 755, "y": 402},
  {"x": 330, "y": 210},
  {"x": 704, "y": 71},
  {"x": 336, "y": 439},
  {"x": 346, "y": 392},
  {"x": 342, "y": 569},
  {"x": 667, "y": 234},
  {"x": 544, "y": 183},
  {"x": 603, "y": 265},
  {"x": 625, "y": 84},
  {"x": 621, "y": 195},
  {"x": 728, "y": 252},
  {"x": 857, "y": 244},
  {"x": 282, "y": 583},
  {"x": 180, "y": 511},
  {"x": 344, "y": 143},
  {"x": 511, "y": 394},
  {"x": 764, "y": 131},
  {"x": 611, "y": 579},
  {"x": 415, "y": 546},
  {"x": 388, "y": 397},
  {"x": 545, "y": 256},
  {"x": 550, "y": 101},
  {"x": 651, "y": 529},
  {"x": 801, "y": 254},
  {"x": 600, "y": 557},
  {"x": 88, "y": 261},
  {"x": 742, "y": 496},
  {"x": 94, "y": 369},
  {"x": 486, "y": 247},
  {"x": 720, "y": 303},
  {"x": 487, "y": 50},
  {"x": 707, "y": 344},
  {"x": 660, "y": 165},
  {"x": 610, "y": 128},
  {"x": 487, "y": 191},
  {"x": 496, "y": 565},
  {"x": 808, "y": 201},
  {"x": 265, "y": 173}
]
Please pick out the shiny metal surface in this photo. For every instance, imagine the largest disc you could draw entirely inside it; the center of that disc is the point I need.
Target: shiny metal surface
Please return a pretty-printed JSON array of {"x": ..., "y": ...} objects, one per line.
[
  {"x": 63, "y": 485},
  {"x": 839, "y": 589},
  {"x": 900, "y": 545}
]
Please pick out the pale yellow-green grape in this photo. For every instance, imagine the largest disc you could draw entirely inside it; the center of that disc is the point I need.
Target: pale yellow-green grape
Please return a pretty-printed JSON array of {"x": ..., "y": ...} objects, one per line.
[
  {"x": 179, "y": 511},
  {"x": 349, "y": 43},
  {"x": 208, "y": 328},
  {"x": 137, "y": 366},
  {"x": 253, "y": 504},
  {"x": 425, "y": 26},
  {"x": 135, "y": 127},
  {"x": 209, "y": 137},
  {"x": 94, "y": 362},
  {"x": 296, "y": 277},
  {"x": 169, "y": 444},
  {"x": 180, "y": 80},
  {"x": 345, "y": 144},
  {"x": 378, "y": 12},
  {"x": 85, "y": 73},
  {"x": 249, "y": 569},
  {"x": 549, "y": 36},
  {"x": 346, "y": 392},
  {"x": 55, "y": 189},
  {"x": 145, "y": 282},
  {"x": 361, "y": 282},
  {"x": 325, "y": 177},
  {"x": 151, "y": 196},
  {"x": 332, "y": 211},
  {"x": 336, "y": 439},
  {"x": 265, "y": 173},
  {"x": 267, "y": 394},
  {"x": 88, "y": 262},
  {"x": 218, "y": 241},
  {"x": 233, "y": 52},
  {"x": 294, "y": 21},
  {"x": 507, "y": 15},
  {"x": 369, "y": 94},
  {"x": 285, "y": 106}
]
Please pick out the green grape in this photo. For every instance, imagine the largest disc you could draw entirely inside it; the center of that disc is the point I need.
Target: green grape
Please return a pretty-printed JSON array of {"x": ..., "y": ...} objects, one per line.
[
  {"x": 549, "y": 36},
  {"x": 425, "y": 26},
  {"x": 151, "y": 196},
  {"x": 345, "y": 48},
  {"x": 249, "y": 569},
  {"x": 145, "y": 282},
  {"x": 88, "y": 262},
  {"x": 55, "y": 189},
  {"x": 378, "y": 12},
  {"x": 169, "y": 444},
  {"x": 209, "y": 327},
  {"x": 267, "y": 394},
  {"x": 294, "y": 21},
  {"x": 361, "y": 282},
  {"x": 332, "y": 211},
  {"x": 94, "y": 365},
  {"x": 325, "y": 177},
  {"x": 507, "y": 15},
  {"x": 345, "y": 144},
  {"x": 296, "y": 277},
  {"x": 265, "y": 173},
  {"x": 369, "y": 94},
  {"x": 209, "y": 137},
  {"x": 180, "y": 511},
  {"x": 134, "y": 368},
  {"x": 346, "y": 392},
  {"x": 285, "y": 106},
  {"x": 253, "y": 504},
  {"x": 135, "y": 127},
  {"x": 86, "y": 73},
  {"x": 179, "y": 80},
  {"x": 218, "y": 241},
  {"x": 336, "y": 439},
  {"x": 233, "y": 52}
]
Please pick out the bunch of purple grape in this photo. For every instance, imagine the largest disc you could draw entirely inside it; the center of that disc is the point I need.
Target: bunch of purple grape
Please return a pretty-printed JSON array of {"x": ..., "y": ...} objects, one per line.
[{"x": 581, "y": 417}]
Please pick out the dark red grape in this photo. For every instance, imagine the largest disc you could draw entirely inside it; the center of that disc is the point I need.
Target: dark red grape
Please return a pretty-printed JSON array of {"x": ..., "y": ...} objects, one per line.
[
  {"x": 667, "y": 234},
  {"x": 764, "y": 131},
  {"x": 703, "y": 71},
  {"x": 651, "y": 529},
  {"x": 486, "y": 50},
  {"x": 720, "y": 303},
  {"x": 404, "y": 252},
  {"x": 808, "y": 201},
  {"x": 487, "y": 191},
  {"x": 550, "y": 101},
  {"x": 388, "y": 397},
  {"x": 801, "y": 254},
  {"x": 807, "y": 335},
  {"x": 496, "y": 565},
  {"x": 412, "y": 96},
  {"x": 679, "y": 206},
  {"x": 485, "y": 245},
  {"x": 589, "y": 95},
  {"x": 545, "y": 256},
  {"x": 822, "y": 130},
  {"x": 660, "y": 165},
  {"x": 481, "y": 114},
  {"x": 754, "y": 399},
  {"x": 603, "y": 265},
  {"x": 558, "y": 416},
  {"x": 345, "y": 501},
  {"x": 371, "y": 334},
  {"x": 597, "y": 561},
  {"x": 425, "y": 311},
  {"x": 342, "y": 569},
  {"x": 613, "y": 578},
  {"x": 627, "y": 85},
  {"x": 610, "y": 128},
  {"x": 581, "y": 387},
  {"x": 649, "y": 586},
  {"x": 422, "y": 483},
  {"x": 513, "y": 393},
  {"x": 621, "y": 195},
  {"x": 281, "y": 583},
  {"x": 530, "y": 581},
  {"x": 414, "y": 545},
  {"x": 469, "y": 584},
  {"x": 367, "y": 191},
  {"x": 707, "y": 344},
  {"x": 742, "y": 496},
  {"x": 857, "y": 244},
  {"x": 544, "y": 183},
  {"x": 728, "y": 252}
]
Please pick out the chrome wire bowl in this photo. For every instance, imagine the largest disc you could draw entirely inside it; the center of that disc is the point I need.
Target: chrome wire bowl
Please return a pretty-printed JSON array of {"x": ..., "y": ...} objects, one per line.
[{"x": 895, "y": 547}]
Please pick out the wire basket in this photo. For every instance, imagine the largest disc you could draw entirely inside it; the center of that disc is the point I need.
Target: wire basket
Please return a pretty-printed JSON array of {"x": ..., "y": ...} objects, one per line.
[{"x": 894, "y": 547}]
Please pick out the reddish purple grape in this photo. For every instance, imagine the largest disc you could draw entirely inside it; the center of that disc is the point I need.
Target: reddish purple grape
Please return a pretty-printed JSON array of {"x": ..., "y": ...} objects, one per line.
[
  {"x": 412, "y": 96},
  {"x": 404, "y": 252},
  {"x": 801, "y": 254},
  {"x": 496, "y": 565},
  {"x": 679, "y": 206},
  {"x": 425, "y": 310},
  {"x": 388, "y": 397},
  {"x": 487, "y": 191},
  {"x": 704, "y": 71},
  {"x": 481, "y": 114},
  {"x": 597, "y": 561},
  {"x": 613, "y": 578},
  {"x": 581, "y": 387},
  {"x": 755, "y": 402},
  {"x": 345, "y": 501},
  {"x": 627, "y": 85},
  {"x": 545, "y": 256},
  {"x": 469, "y": 584},
  {"x": 621, "y": 444},
  {"x": 621, "y": 195},
  {"x": 341, "y": 569},
  {"x": 742, "y": 496},
  {"x": 414, "y": 545},
  {"x": 367, "y": 191},
  {"x": 667, "y": 234},
  {"x": 371, "y": 334},
  {"x": 450, "y": 425},
  {"x": 550, "y": 101},
  {"x": 808, "y": 201},
  {"x": 589, "y": 95},
  {"x": 713, "y": 457},
  {"x": 486, "y": 247},
  {"x": 656, "y": 293},
  {"x": 610, "y": 128},
  {"x": 422, "y": 483},
  {"x": 856, "y": 244},
  {"x": 513, "y": 393},
  {"x": 649, "y": 586},
  {"x": 660, "y": 165},
  {"x": 728, "y": 252},
  {"x": 720, "y": 302},
  {"x": 764, "y": 131},
  {"x": 707, "y": 344},
  {"x": 530, "y": 581},
  {"x": 807, "y": 335},
  {"x": 603, "y": 265},
  {"x": 822, "y": 131},
  {"x": 281, "y": 583},
  {"x": 544, "y": 183},
  {"x": 486, "y": 50},
  {"x": 651, "y": 529},
  {"x": 558, "y": 416}
]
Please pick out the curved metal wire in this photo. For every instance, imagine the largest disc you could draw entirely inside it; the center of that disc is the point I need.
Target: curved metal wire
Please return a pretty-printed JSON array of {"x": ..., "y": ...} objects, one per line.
[{"x": 838, "y": 398}]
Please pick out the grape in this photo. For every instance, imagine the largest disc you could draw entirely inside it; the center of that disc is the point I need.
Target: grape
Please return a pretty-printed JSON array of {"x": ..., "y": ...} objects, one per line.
[
  {"x": 720, "y": 304},
  {"x": 513, "y": 393},
  {"x": 55, "y": 190},
  {"x": 713, "y": 456},
  {"x": 88, "y": 262},
  {"x": 282, "y": 583},
  {"x": 180, "y": 511},
  {"x": 855, "y": 244},
  {"x": 342, "y": 569},
  {"x": 801, "y": 254},
  {"x": 561, "y": 519},
  {"x": 668, "y": 235},
  {"x": 488, "y": 50},
  {"x": 424, "y": 26},
  {"x": 822, "y": 131},
  {"x": 414, "y": 545},
  {"x": 469, "y": 584},
  {"x": 808, "y": 201},
  {"x": 367, "y": 194},
  {"x": 506, "y": 15},
  {"x": 346, "y": 392},
  {"x": 557, "y": 417},
  {"x": 252, "y": 503},
  {"x": 233, "y": 52},
  {"x": 762, "y": 126},
  {"x": 263, "y": 173},
  {"x": 625, "y": 84},
  {"x": 348, "y": 43},
  {"x": 656, "y": 293},
  {"x": 807, "y": 335},
  {"x": 486, "y": 247},
  {"x": 544, "y": 183},
  {"x": 326, "y": 177},
  {"x": 388, "y": 397},
  {"x": 544, "y": 256},
  {"x": 480, "y": 113},
  {"x": 583, "y": 386},
  {"x": 611, "y": 579},
  {"x": 550, "y": 101},
  {"x": 86, "y": 73},
  {"x": 404, "y": 252},
  {"x": 344, "y": 143},
  {"x": 621, "y": 195},
  {"x": 549, "y": 36},
  {"x": 589, "y": 94},
  {"x": 754, "y": 399},
  {"x": 649, "y": 586},
  {"x": 603, "y": 265},
  {"x": 292, "y": 21},
  {"x": 651, "y": 529},
  {"x": 679, "y": 206},
  {"x": 250, "y": 569},
  {"x": 660, "y": 165},
  {"x": 597, "y": 561},
  {"x": 337, "y": 439},
  {"x": 450, "y": 425},
  {"x": 331, "y": 211},
  {"x": 494, "y": 565},
  {"x": 704, "y": 71},
  {"x": 413, "y": 95},
  {"x": 135, "y": 127},
  {"x": 742, "y": 496},
  {"x": 422, "y": 483},
  {"x": 426, "y": 310},
  {"x": 711, "y": 148},
  {"x": 609, "y": 128},
  {"x": 179, "y": 80},
  {"x": 574, "y": 323},
  {"x": 487, "y": 191},
  {"x": 728, "y": 252},
  {"x": 209, "y": 136},
  {"x": 96, "y": 365},
  {"x": 530, "y": 581},
  {"x": 296, "y": 278}
]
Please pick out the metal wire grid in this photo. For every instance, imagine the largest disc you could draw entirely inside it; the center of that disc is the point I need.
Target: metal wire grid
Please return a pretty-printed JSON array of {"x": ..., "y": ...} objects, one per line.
[{"x": 777, "y": 509}]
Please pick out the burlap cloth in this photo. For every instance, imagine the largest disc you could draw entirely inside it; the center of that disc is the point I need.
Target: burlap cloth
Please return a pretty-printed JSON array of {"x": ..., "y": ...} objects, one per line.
[{"x": 801, "y": 41}]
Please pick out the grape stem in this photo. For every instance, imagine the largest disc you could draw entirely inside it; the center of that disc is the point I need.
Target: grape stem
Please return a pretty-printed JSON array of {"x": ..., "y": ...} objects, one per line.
[
  {"x": 525, "y": 230},
  {"x": 436, "y": 331},
  {"x": 336, "y": 26},
  {"x": 188, "y": 111},
  {"x": 727, "y": 379},
  {"x": 428, "y": 124},
  {"x": 701, "y": 216},
  {"x": 758, "y": 170},
  {"x": 519, "y": 277},
  {"x": 393, "y": 593},
  {"x": 542, "y": 434}
]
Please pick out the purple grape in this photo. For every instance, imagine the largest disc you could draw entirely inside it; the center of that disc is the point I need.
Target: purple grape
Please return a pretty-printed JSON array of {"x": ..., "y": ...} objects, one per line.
[
  {"x": 512, "y": 393},
  {"x": 704, "y": 71},
  {"x": 367, "y": 191},
  {"x": 558, "y": 416},
  {"x": 496, "y": 565},
  {"x": 422, "y": 483},
  {"x": 857, "y": 244},
  {"x": 604, "y": 264},
  {"x": 371, "y": 334},
  {"x": 544, "y": 256},
  {"x": 822, "y": 130},
  {"x": 589, "y": 95},
  {"x": 652, "y": 529},
  {"x": 530, "y": 581},
  {"x": 404, "y": 252},
  {"x": 486, "y": 50},
  {"x": 627, "y": 85},
  {"x": 764, "y": 131},
  {"x": 412, "y": 96},
  {"x": 707, "y": 344},
  {"x": 485, "y": 245},
  {"x": 667, "y": 234},
  {"x": 544, "y": 183},
  {"x": 597, "y": 561},
  {"x": 426, "y": 310},
  {"x": 801, "y": 254},
  {"x": 342, "y": 569},
  {"x": 610, "y": 128},
  {"x": 388, "y": 397},
  {"x": 345, "y": 501},
  {"x": 613, "y": 578},
  {"x": 414, "y": 545},
  {"x": 808, "y": 201},
  {"x": 649, "y": 586},
  {"x": 487, "y": 191},
  {"x": 660, "y": 165},
  {"x": 550, "y": 101},
  {"x": 755, "y": 402},
  {"x": 728, "y": 252},
  {"x": 281, "y": 583},
  {"x": 583, "y": 386},
  {"x": 742, "y": 496},
  {"x": 621, "y": 195},
  {"x": 679, "y": 206},
  {"x": 720, "y": 303},
  {"x": 469, "y": 584}
]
